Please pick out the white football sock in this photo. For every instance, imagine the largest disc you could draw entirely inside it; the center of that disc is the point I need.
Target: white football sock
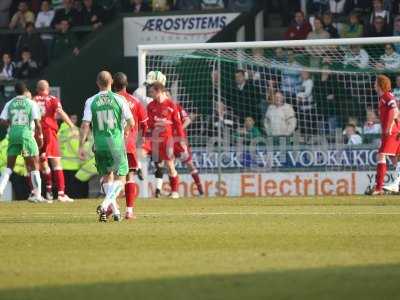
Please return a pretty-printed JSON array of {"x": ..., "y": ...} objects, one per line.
[
  {"x": 159, "y": 183},
  {"x": 4, "y": 179},
  {"x": 36, "y": 182}
]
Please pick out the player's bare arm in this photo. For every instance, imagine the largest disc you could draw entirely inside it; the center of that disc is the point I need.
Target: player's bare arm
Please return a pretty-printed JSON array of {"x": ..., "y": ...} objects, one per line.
[
  {"x": 38, "y": 133},
  {"x": 83, "y": 135},
  {"x": 64, "y": 116}
]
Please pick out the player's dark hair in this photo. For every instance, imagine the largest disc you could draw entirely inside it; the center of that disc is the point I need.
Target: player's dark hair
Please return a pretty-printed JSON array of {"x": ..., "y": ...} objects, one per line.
[
  {"x": 120, "y": 81},
  {"x": 20, "y": 88}
]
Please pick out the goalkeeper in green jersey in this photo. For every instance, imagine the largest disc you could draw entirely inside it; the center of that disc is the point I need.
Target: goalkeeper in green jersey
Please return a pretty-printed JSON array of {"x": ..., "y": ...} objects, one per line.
[
  {"x": 108, "y": 113},
  {"x": 22, "y": 116}
]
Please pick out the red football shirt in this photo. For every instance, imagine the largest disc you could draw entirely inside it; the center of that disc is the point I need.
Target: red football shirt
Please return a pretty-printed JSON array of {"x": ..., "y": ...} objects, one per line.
[
  {"x": 388, "y": 105},
  {"x": 48, "y": 106},
  {"x": 140, "y": 117},
  {"x": 183, "y": 116},
  {"x": 164, "y": 116}
]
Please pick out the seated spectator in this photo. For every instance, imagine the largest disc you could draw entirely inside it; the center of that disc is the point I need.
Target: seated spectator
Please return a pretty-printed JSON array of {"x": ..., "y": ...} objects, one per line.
[
  {"x": 352, "y": 29},
  {"x": 137, "y": 6},
  {"x": 378, "y": 28},
  {"x": 65, "y": 41},
  {"x": 22, "y": 16},
  {"x": 299, "y": 29},
  {"x": 43, "y": 20},
  {"x": 353, "y": 121},
  {"x": 379, "y": 11},
  {"x": 338, "y": 8},
  {"x": 317, "y": 7},
  {"x": 92, "y": 14},
  {"x": 249, "y": 132},
  {"x": 31, "y": 40},
  {"x": 160, "y": 5},
  {"x": 390, "y": 60},
  {"x": 356, "y": 57},
  {"x": 280, "y": 119},
  {"x": 69, "y": 13},
  {"x": 318, "y": 32},
  {"x": 371, "y": 125},
  {"x": 351, "y": 136},
  {"x": 241, "y": 5},
  {"x": 7, "y": 68},
  {"x": 396, "y": 90},
  {"x": 306, "y": 115},
  {"x": 328, "y": 26},
  {"x": 5, "y": 12},
  {"x": 211, "y": 4},
  {"x": 396, "y": 32},
  {"x": 27, "y": 68}
]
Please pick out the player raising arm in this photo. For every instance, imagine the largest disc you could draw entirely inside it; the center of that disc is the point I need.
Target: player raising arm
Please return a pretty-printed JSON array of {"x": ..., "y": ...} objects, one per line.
[
  {"x": 23, "y": 118},
  {"x": 50, "y": 107},
  {"x": 107, "y": 112},
  {"x": 140, "y": 116},
  {"x": 388, "y": 113}
]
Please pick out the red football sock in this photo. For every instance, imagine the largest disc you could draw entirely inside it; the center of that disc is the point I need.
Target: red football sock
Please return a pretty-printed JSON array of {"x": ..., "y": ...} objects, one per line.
[
  {"x": 197, "y": 181},
  {"x": 380, "y": 176},
  {"x": 48, "y": 180},
  {"x": 60, "y": 182},
  {"x": 174, "y": 182},
  {"x": 130, "y": 193}
]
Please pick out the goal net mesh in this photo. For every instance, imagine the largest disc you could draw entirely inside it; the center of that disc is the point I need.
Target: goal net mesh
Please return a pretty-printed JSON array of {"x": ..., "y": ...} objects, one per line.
[{"x": 280, "y": 109}]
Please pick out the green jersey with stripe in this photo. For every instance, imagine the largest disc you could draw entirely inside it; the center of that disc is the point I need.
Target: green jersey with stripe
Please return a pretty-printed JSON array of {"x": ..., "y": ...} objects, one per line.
[
  {"x": 21, "y": 113},
  {"x": 107, "y": 111}
]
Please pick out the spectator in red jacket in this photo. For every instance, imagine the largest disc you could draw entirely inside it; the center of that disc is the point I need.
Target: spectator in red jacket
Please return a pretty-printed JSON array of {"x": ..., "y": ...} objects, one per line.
[{"x": 299, "y": 29}]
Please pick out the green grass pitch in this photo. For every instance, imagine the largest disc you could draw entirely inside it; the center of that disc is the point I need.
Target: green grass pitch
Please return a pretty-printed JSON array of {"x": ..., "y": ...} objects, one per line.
[{"x": 280, "y": 248}]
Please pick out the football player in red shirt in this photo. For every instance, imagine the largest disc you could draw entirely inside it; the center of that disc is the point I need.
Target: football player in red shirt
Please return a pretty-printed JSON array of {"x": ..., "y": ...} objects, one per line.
[
  {"x": 50, "y": 107},
  {"x": 140, "y": 116},
  {"x": 179, "y": 152},
  {"x": 388, "y": 113},
  {"x": 165, "y": 128}
]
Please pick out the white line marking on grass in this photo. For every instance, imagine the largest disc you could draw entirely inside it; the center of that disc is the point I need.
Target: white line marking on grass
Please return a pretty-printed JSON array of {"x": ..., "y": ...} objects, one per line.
[{"x": 201, "y": 214}]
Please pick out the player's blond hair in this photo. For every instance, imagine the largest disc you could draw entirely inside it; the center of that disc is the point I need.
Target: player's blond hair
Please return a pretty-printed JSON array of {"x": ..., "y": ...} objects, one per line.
[{"x": 384, "y": 83}]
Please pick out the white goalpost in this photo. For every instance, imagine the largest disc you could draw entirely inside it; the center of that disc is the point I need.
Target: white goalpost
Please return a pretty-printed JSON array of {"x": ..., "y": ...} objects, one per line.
[{"x": 277, "y": 108}]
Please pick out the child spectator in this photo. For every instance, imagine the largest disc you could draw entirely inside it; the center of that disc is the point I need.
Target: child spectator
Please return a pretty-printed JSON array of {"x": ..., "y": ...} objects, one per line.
[
  {"x": 7, "y": 68},
  {"x": 249, "y": 132},
  {"x": 351, "y": 136}
]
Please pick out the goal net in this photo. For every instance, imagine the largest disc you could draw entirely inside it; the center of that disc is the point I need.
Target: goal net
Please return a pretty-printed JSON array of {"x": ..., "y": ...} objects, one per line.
[{"x": 282, "y": 106}]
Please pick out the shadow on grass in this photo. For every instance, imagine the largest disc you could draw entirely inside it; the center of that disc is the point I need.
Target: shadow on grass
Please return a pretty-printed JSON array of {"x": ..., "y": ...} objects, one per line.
[{"x": 369, "y": 282}]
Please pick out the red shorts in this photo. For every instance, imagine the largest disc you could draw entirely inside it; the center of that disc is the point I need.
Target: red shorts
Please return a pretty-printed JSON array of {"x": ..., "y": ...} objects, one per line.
[
  {"x": 390, "y": 145},
  {"x": 132, "y": 161},
  {"x": 50, "y": 144},
  {"x": 159, "y": 152},
  {"x": 180, "y": 153}
]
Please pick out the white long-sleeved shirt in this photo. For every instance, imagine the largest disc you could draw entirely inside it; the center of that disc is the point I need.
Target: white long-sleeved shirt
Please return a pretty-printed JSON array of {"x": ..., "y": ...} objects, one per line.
[
  {"x": 305, "y": 97},
  {"x": 359, "y": 60},
  {"x": 280, "y": 120},
  {"x": 391, "y": 61},
  {"x": 43, "y": 20}
]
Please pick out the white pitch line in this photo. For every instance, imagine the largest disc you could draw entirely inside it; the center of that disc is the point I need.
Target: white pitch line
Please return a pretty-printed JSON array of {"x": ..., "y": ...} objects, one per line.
[{"x": 200, "y": 214}]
